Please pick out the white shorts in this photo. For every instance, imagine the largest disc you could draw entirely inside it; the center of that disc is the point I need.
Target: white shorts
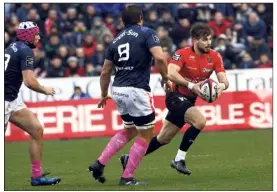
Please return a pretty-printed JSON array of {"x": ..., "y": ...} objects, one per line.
[
  {"x": 136, "y": 106},
  {"x": 13, "y": 106}
]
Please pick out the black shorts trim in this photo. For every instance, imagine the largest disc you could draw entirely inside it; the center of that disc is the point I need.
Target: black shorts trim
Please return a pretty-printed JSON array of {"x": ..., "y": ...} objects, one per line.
[
  {"x": 138, "y": 121},
  {"x": 143, "y": 120}
]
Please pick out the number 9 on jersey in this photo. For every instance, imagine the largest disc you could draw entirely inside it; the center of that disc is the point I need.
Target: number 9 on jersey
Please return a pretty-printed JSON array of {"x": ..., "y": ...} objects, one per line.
[{"x": 124, "y": 52}]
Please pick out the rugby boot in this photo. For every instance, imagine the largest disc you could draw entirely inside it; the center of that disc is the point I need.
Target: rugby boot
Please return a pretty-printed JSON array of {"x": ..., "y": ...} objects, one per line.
[
  {"x": 180, "y": 166},
  {"x": 96, "y": 170},
  {"x": 131, "y": 181},
  {"x": 42, "y": 181}
]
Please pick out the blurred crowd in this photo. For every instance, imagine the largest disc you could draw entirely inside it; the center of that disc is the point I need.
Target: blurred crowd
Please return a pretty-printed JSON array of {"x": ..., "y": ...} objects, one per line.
[{"x": 74, "y": 37}]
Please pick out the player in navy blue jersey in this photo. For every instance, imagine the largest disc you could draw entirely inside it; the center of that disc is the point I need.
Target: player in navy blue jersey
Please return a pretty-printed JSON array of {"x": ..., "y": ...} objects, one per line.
[
  {"x": 19, "y": 65},
  {"x": 131, "y": 53}
]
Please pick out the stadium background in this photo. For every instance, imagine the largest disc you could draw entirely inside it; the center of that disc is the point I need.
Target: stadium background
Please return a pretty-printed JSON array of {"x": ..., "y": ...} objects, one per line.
[{"x": 70, "y": 56}]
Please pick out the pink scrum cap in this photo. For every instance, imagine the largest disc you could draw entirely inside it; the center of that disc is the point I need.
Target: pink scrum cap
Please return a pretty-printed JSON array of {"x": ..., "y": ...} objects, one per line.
[{"x": 26, "y": 31}]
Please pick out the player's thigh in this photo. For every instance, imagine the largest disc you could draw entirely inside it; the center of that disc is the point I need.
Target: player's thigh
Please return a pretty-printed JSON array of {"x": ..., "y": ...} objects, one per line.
[
  {"x": 120, "y": 96},
  {"x": 142, "y": 110},
  {"x": 194, "y": 117},
  {"x": 145, "y": 125},
  {"x": 177, "y": 106},
  {"x": 129, "y": 125},
  {"x": 27, "y": 121},
  {"x": 146, "y": 134},
  {"x": 168, "y": 132},
  {"x": 11, "y": 107},
  {"x": 135, "y": 109},
  {"x": 140, "y": 103}
]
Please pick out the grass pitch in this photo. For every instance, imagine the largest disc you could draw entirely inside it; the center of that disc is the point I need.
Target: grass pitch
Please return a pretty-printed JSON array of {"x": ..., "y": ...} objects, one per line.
[{"x": 239, "y": 160}]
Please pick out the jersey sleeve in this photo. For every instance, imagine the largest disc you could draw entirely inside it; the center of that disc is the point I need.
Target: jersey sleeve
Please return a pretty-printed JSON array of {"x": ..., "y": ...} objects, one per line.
[
  {"x": 109, "y": 53},
  {"x": 152, "y": 39},
  {"x": 27, "y": 59},
  {"x": 218, "y": 66},
  {"x": 177, "y": 58}
]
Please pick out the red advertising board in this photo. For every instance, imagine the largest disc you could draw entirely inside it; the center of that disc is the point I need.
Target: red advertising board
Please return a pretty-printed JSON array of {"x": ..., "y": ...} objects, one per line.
[{"x": 82, "y": 118}]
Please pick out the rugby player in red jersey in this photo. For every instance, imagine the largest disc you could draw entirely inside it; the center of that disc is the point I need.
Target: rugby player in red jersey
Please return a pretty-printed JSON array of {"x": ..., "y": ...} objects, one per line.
[{"x": 187, "y": 69}]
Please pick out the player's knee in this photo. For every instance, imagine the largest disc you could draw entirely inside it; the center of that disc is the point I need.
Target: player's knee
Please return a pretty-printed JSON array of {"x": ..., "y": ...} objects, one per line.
[
  {"x": 165, "y": 137},
  {"x": 38, "y": 132},
  {"x": 131, "y": 132},
  {"x": 164, "y": 140},
  {"x": 199, "y": 122},
  {"x": 146, "y": 134}
]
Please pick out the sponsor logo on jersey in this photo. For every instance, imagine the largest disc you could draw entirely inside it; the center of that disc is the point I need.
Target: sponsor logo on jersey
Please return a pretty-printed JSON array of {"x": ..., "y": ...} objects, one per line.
[
  {"x": 29, "y": 61},
  {"x": 182, "y": 98},
  {"x": 13, "y": 46},
  {"x": 156, "y": 38},
  {"x": 176, "y": 57},
  {"x": 207, "y": 70},
  {"x": 191, "y": 57}
]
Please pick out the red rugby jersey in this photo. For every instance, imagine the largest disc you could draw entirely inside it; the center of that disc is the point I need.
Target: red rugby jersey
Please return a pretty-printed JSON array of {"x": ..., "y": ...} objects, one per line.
[{"x": 196, "y": 68}]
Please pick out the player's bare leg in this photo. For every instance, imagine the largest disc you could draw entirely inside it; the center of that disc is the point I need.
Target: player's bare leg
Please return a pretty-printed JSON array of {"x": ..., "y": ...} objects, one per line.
[
  {"x": 197, "y": 121},
  {"x": 28, "y": 122},
  {"x": 136, "y": 154},
  {"x": 117, "y": 142}
]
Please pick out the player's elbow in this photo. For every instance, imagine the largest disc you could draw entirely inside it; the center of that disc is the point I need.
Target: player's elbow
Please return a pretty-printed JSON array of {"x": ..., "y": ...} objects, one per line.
[
  {"x": 170, "y": 75},
  {"x": 105, "y": 74},
  {"x": 159, "y": 59},
  {"x": 29, "y": 78},
  {"x": 106, "y": 71},
  {"x": 28, "y": 82}
]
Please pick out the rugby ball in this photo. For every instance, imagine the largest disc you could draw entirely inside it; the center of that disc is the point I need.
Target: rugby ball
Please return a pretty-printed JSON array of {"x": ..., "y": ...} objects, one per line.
[{"x": 209, "y": 90}]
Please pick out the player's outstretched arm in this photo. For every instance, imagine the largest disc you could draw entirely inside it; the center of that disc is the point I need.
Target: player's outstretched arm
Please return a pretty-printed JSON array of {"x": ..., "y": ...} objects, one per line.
[
  {"x": 105, "y": 77},
  {"x": 160, "y": 61},
  {"x": 31, "y": 82}
]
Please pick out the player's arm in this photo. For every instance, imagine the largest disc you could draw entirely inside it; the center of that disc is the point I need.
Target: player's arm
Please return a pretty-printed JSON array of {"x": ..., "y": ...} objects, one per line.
[
  {"x": 29, "y": 79},
  {"x": 154, "y": 46},
  {"x": 105, "y": 77},
  {"x": 31, "y": 82},
  {"x": 220, "y": 73},
  {"x": 175, "y": 77},
  {"x": 160, "y": 61},
  {"x": 222, "y": 79},
  {"x": 174, "y": 67}
]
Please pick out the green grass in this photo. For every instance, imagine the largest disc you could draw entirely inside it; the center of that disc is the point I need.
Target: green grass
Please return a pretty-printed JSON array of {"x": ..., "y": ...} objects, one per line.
[{"x": 239, "y": 160}]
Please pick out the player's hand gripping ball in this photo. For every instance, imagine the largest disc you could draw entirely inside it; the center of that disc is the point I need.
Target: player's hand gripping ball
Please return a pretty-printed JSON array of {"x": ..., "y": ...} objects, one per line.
[{"x": 209, "y": 89}]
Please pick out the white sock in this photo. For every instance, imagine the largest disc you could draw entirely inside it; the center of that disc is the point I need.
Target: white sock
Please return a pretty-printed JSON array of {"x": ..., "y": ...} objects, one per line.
[{"x": 181, "y": 155}]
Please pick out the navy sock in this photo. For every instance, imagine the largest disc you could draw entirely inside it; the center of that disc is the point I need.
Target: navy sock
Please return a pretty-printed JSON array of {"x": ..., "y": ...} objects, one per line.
[
  {"x": 188, "y": 138},
  {"x": 153, "y": 145}
]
